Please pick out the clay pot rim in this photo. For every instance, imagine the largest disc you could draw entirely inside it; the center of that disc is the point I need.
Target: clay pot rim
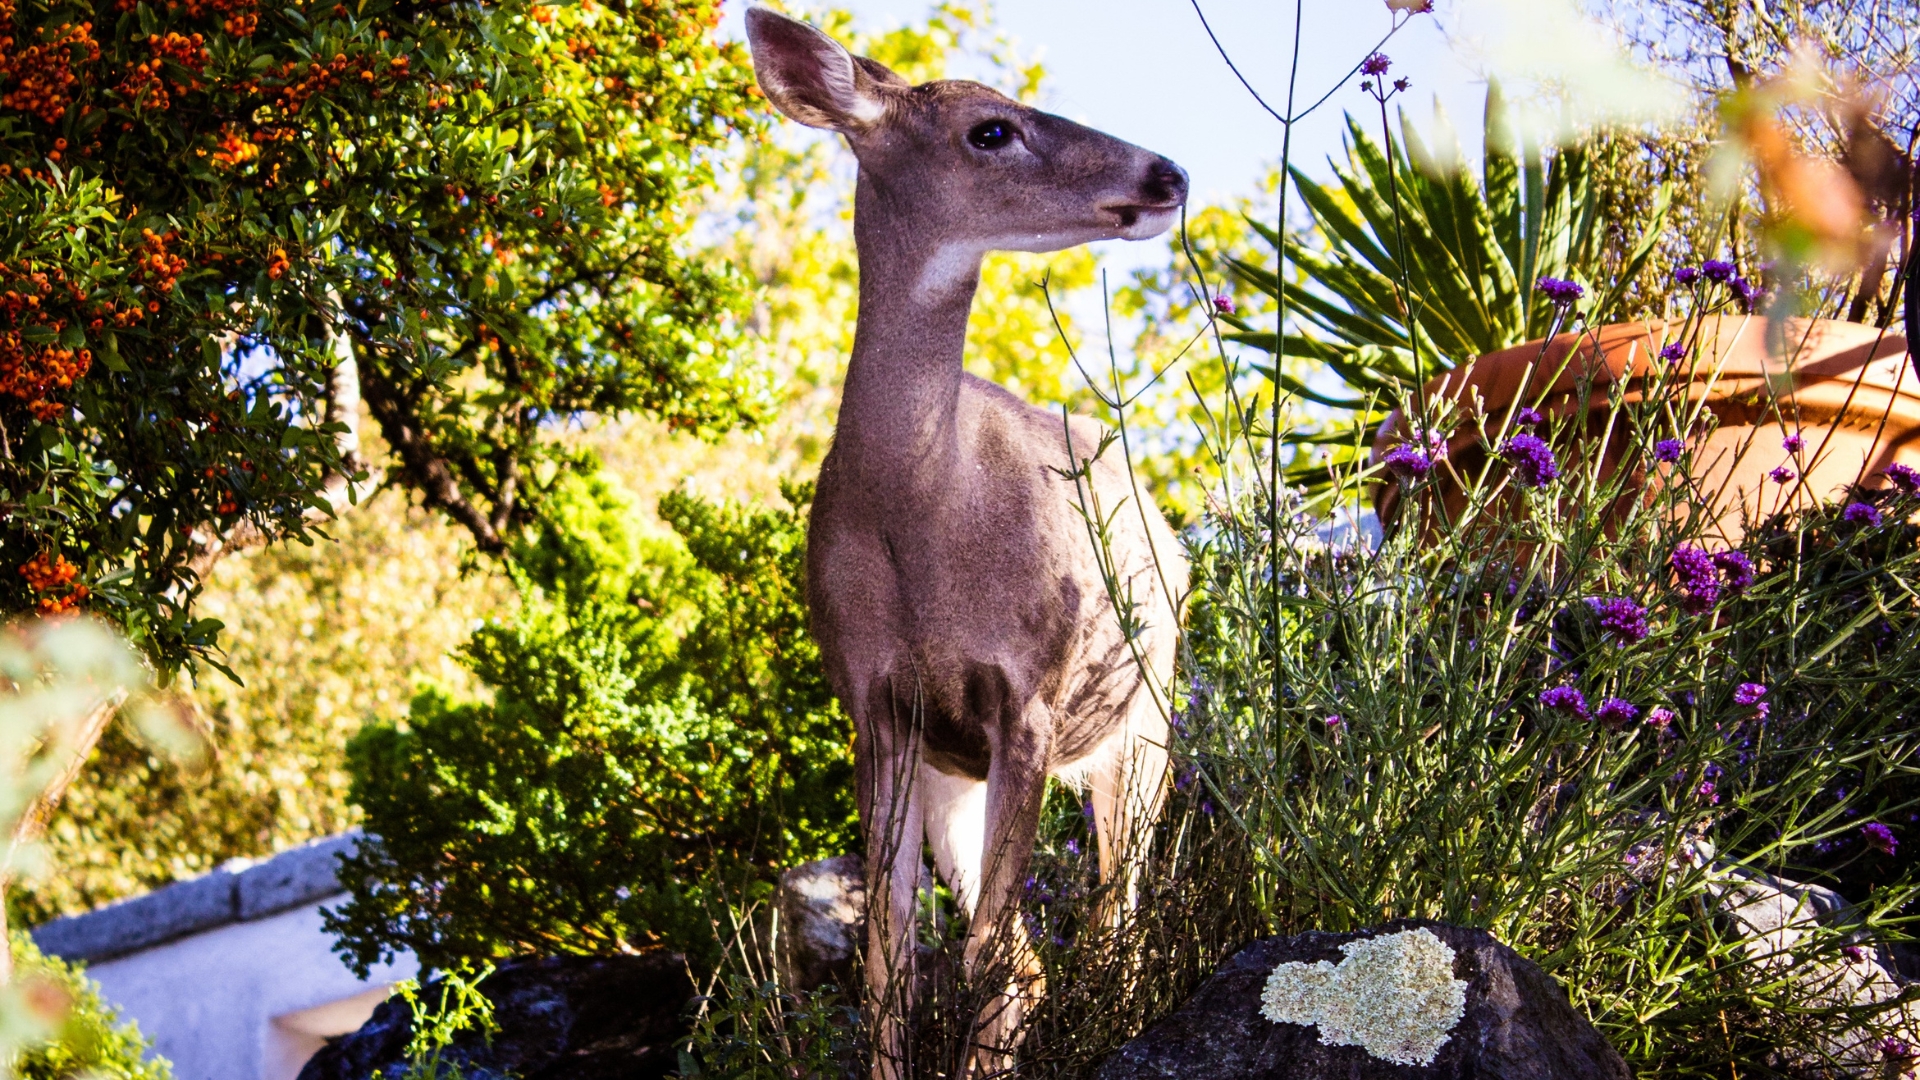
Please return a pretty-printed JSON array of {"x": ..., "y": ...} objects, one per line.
[{"x": 1737, "y": 367}]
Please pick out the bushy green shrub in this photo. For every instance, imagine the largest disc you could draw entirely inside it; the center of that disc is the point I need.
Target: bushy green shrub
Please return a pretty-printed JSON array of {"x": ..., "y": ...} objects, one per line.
[
  {"x": 660, "y": 734},
  {"x": 92, "y": 1041}
]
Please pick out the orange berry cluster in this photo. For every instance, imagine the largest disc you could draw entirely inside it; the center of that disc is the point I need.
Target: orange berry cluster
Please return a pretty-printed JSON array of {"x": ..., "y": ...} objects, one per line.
[
  {"x": 42, "y": 74},
  {"x": 49, "y": 574},
  {"x": 143, "y": 83},
  {"x": 31, "y": 372},
  {"x": 156, "y": 267},
  {"x": 297, "y": 81},
  {"x": 233, "y": 148},
  {"x": 237, "y": 17},
  {"x": 278, "y": 266}
]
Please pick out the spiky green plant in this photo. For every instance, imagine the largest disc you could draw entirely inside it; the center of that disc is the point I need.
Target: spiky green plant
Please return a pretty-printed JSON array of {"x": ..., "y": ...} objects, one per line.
[{"x": 1414, "y": 265}]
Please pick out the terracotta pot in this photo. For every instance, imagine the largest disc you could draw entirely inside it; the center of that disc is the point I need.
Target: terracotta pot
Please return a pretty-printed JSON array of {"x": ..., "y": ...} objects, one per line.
[{"x": 1848, "y": 391}]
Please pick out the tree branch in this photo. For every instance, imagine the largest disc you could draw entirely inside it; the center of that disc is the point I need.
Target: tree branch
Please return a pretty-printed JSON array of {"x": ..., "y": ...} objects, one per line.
[
  {"x": 425, "y": 469},
  {"x": 343, "y": 407}
]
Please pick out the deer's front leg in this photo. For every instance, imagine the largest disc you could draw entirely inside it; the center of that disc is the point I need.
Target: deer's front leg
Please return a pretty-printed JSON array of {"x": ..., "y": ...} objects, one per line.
[
  {"x": 998, "y": 946},
  {"x": 892, "y": 816}
]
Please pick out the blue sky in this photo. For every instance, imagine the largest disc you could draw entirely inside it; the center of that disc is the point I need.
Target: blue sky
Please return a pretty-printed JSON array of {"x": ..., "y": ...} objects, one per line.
[{"x": 1144, "y": 70}]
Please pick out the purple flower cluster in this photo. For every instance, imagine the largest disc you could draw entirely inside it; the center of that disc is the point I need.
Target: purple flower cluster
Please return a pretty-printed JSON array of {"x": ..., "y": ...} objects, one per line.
[
  {"x": 1880, "y": 838},
  {"x": 1558, "y": 291},
  {"x": 1718, "y": 270},
  {"x": 1616, "y": 713},
  {"x": 1736, "y": 570},
  {"x": 1377, "y": 64},
  {"x": 1224, "y": 304},
  {"x": 1904, "y": 477},
  {"x": 1707, "y": 789},
  {"x": 1699, "y": 579},
  {"x": 1620, "y": 617},
  {"x": 1668, "y": 450},
  {"x": 1528, "y": 416},
  {"x": 1746, "y": 290},
  {"x": 1565, "y": 699},
  {"x": 1861, "y": 514},
  {"x": 1782, "y": 475},
  {"x": 1532, "y": 459},
  {"x": 1686, "y": 275},
  {"x": 1752, "y": 695},
  {"x": 1659, "y": 718},
  {"x": 1793, "y": 443},
  {"x": 1896, "y": 1049},
  {"x": 1673, "y": 352},
  {"x": 1408, "y": 460}
]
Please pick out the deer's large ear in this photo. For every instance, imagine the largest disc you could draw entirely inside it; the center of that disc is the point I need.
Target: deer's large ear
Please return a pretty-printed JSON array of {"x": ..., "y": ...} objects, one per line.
[{"x": 809, "y": 77}]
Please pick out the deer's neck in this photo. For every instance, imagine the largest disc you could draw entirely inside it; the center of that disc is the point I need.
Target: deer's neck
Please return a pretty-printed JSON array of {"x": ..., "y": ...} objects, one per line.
[{"x": 899, "y": 407}]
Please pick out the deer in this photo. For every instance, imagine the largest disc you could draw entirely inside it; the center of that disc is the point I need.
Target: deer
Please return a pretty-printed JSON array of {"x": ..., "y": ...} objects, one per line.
[{"x": 980, "y": 635}]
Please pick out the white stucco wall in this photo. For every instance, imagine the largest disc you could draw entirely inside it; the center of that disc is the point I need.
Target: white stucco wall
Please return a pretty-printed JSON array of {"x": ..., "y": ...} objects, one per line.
[{"x": 244, "y": 1001}]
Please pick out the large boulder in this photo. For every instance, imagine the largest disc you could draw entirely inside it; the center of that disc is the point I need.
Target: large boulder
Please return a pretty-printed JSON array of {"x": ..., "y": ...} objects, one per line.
[
  {"x": 1786, "y": 929},
  {"x": 1515, "y": 1022},
  {"x": 822, "y": 908},
  {"x": 559, "y": 1017}
]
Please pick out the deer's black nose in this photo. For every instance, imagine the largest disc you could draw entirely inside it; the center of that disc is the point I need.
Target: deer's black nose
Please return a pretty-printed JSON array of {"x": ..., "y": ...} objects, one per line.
[{"x": 1166, "y": 183}]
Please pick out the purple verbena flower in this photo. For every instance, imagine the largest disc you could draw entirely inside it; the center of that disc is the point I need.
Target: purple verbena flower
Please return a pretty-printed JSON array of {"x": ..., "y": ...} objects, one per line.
[
  {"x": 1859, "y": 513},
  {"x": 1668, "y": 450},
  {"x": 1673, "y": 351},
  {"x": 1896, "y": 1049},
  {"x": 1880, "y": 838},
  {"x": 1853, "y": 953},
  {"x": 1717, "y": 270},
  {"x": 1782, "y": 475},
  {"x": 1736, "y": 570},
  {"x": 1532, "y": 459},
  {"x": 1377, "y": 64},
  {"x": 1335, "y": 721},
  {"x": 1746, "y": 290},
  {"x": 1706, "y": 791},
  {"x": 1565, "y": 699},
  {"x": 1408, "y": 460},
  {"x": 1659, "y": 718},
  {"x": 1904, "y": 477},
  {"x": 1686, "y": 275},
  {"x": 1793, "y": 443},
  {"x": 1699, "y": 579},
  {"x": 1616, "y": 713},
  {"x": 1224, "y": 304},
  {"x": 1528, "y": 416},
  {"x": 1620, "y": 617},
  {"x": 1559, "y": 291},
  {"x": 1402, "y": 84},
  {"x": 1749, "y": 693}
]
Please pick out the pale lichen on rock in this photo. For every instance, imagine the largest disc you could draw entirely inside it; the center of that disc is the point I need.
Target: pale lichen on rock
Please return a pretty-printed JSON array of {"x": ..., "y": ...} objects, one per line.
[{"x": 1394, "y": 996}]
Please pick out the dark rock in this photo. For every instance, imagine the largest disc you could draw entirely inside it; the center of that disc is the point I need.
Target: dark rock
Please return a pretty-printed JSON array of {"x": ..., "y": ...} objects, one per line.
[
  {"x": 1518, "y": 1024},
  {"x": 559, "y": 1017},
  {"x": 822, "y": 909}
]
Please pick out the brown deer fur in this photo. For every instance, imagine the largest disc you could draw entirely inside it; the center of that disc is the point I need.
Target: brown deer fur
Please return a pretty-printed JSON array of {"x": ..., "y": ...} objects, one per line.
[{"x": 956, "y": 592}]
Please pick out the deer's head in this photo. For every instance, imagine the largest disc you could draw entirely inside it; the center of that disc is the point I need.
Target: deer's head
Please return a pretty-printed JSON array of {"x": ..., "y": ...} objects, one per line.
[{"x": 965, "y": 168}]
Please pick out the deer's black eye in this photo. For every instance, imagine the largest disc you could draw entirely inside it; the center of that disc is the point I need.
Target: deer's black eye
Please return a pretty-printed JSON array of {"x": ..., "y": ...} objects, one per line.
[{"x": 990, "y": 135}]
